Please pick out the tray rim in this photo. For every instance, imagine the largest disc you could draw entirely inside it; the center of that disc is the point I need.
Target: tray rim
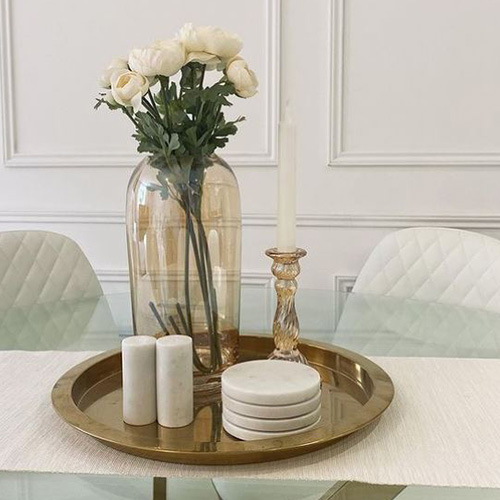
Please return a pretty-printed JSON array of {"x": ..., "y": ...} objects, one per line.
[{"x": 251, "y": 451}]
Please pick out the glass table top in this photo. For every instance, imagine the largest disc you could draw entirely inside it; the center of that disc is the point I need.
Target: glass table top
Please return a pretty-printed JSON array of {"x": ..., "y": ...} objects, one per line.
[
  {"x": 369, "y": 324},
  {"x": 38, "y": 486},
  {"x": 372, "y": 325}
]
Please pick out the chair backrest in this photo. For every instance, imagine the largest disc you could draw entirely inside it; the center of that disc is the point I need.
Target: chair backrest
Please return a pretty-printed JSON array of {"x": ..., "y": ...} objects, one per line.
[
  {"x": 39, "y": 266},
  {"x": 435, "y": 264}
]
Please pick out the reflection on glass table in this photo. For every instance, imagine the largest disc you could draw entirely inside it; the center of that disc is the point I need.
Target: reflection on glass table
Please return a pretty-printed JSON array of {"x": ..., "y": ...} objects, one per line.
[
  {"x": 369, "y": 324},
  {"x": 36, "y": 486}
]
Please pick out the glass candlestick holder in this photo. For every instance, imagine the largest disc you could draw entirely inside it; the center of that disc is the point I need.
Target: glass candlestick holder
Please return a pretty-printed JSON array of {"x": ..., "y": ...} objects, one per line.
[{"x": 286, "y": 268}]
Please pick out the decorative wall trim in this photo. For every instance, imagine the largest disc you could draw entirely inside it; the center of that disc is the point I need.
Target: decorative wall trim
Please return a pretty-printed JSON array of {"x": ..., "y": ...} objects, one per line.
[
  {"x": 13, "y": 158},
  {"x": 336, "y": 86},
  {"x": 338, "y": 156},
  {"x": 342, "y": 285},
  {"x": 123, "y": 160},
  {"x": 6, "y": 82},
  {"x": 9, "y": 217},
  {"x": 268, "y": 220},
  {"x": 416, "y": 159},
  {"x": 248, "y": 278}
]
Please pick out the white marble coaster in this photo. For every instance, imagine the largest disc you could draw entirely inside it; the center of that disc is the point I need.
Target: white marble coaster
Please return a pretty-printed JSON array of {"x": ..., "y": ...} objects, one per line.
[
  {"x": 271, "y": 382},
  {"x": 281, "y": 411},
  {"x": 274, "y": 425},
  {"x": 249, "y": 435}
]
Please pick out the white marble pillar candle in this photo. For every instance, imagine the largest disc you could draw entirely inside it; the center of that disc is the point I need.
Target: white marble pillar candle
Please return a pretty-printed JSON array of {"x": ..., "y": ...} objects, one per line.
[
  {"x": 174, "y": 380},
  {"x": 139, "y": 379},
  {"x": 286, "y": 183}
]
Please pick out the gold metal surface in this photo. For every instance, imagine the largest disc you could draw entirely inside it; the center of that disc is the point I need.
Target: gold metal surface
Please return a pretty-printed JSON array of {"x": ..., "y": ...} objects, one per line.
[
  {"x": 352, "y": 490},
  {"x": 355, "y": 392},
  {"x": 286, "y": 329},
  {"x": 160, "y": 488}
]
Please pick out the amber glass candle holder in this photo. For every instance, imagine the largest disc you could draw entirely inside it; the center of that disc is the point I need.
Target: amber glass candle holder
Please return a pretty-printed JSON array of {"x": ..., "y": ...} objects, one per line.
[{"x": 286, "y": 268}]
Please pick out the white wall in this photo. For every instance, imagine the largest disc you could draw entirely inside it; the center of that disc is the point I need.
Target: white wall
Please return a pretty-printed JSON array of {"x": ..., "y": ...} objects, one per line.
[{"x": 397, "y": 102}]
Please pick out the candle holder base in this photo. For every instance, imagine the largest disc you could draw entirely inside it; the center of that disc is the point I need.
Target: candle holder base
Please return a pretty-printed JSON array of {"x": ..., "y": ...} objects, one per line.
[
  {"x": 286, "y": 268},
  {"x": 294, "y": 355}
]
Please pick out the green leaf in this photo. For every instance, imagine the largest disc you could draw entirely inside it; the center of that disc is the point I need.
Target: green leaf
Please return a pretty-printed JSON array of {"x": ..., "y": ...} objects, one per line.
[
  {"x": 190, "y": 123},
  {"x": 102, "y": 100},
  {"x": 174, "y": 143}
]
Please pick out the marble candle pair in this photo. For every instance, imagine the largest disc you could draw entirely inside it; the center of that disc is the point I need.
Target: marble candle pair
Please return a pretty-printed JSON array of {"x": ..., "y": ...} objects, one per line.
[{"x": 157, "y": 380}]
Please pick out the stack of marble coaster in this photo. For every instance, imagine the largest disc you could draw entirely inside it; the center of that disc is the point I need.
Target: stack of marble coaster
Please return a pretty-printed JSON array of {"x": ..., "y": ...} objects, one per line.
[{"x": 268, "y": 398}]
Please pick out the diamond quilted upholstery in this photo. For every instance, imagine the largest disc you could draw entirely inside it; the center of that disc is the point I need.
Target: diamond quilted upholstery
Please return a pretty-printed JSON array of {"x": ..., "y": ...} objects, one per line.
[
  {"x": 379, "y": 325},
  {"x": 39, "y": 267},
  {"x": 435, "y": 265}
]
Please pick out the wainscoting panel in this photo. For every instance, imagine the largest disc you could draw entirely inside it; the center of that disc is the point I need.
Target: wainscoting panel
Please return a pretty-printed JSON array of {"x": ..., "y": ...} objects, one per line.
[
  {"x": 414, "y": 83},
  {"x": 397, "y": 105},
  {"x": 49, "y": 78}
]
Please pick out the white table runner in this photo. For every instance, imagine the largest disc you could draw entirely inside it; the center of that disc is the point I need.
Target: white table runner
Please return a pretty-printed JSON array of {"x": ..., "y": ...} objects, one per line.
[{"x": 442, "y": 429}]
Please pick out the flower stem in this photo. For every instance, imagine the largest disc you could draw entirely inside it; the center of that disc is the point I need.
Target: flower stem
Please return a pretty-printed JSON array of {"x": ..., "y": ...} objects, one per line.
[
  {"x": 132, "y": 119},
  {"x": 202, "y": 76},
  {"x": 188, "y": 323},
  {"x": 196, "y": 360},
  {"x": 202, "y": 273},
  {"x": 153, "y": 112},
  {"x": 164, "y": 85},
  {"x": 186, "y": 281},
  {"x": 205, "y": 251},
  {"x": 152, "y": 99}
]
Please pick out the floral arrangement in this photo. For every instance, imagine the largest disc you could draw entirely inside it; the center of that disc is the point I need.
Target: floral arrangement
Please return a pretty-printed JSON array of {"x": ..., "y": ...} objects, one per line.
[
  {"x": 179, "y": 123},
  {"x": 179, "y": 119}
]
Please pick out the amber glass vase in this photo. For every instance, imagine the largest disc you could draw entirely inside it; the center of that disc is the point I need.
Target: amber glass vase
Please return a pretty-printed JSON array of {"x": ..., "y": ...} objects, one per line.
[{"x": 184, "y": 248}]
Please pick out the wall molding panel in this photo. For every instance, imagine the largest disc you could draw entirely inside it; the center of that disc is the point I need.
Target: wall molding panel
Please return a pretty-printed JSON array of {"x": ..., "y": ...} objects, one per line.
[
  {"x": 368, "y": 87},
  {"x": 6, "y": 82},
  {"x": 248, "y": 278},
  {"x": 338, "y": 155},
  {"x": 269, "y": 220},
  {"x": 14, "y": 158},
  {"x": 342, "y": 285},
  {"x": 336, "y": 84}
]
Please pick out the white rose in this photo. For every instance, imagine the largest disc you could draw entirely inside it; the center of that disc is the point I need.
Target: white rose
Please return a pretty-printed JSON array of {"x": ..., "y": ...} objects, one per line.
[
  {"x": 220, "y": 42},
  {"x": 210, "y": 39},
  {"x": 115, "y": 64},
  {"x": 242, "y": 77},
  {"x": 211, "y": 61},
  {"x": 188, "y": 36},
  {"x": 163, "y": 58},
  {"x": 128, "y": 87}
]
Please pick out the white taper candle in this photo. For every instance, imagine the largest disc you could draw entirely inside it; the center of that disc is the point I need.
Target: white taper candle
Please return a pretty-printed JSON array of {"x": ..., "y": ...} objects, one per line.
[
  {"x": 286, "y": 184},
  {"x": 139, "y": 379},
  {"x": 174, "y": 380}
]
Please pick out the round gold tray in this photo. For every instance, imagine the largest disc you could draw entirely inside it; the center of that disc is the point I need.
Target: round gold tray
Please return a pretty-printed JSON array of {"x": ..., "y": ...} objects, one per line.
[{"x": 355, "y": 392}]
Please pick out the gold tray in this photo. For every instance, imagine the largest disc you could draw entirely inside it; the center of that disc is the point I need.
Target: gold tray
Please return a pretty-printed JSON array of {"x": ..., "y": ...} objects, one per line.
[{"x": 355, "y": 392}]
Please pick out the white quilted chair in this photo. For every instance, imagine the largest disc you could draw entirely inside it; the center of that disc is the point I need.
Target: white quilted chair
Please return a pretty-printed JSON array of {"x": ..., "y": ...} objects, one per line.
[
  {"x": 50, "y": 297},
  {"x": 450, "y": 280},
  {"x": 435, "y": 265},
  {"x": 39, "y": 266}
]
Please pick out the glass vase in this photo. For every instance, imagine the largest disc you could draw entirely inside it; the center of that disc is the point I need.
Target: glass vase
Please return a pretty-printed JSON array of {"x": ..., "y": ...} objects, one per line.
[{"x": 184, "y": 249}]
